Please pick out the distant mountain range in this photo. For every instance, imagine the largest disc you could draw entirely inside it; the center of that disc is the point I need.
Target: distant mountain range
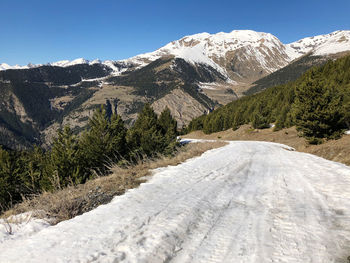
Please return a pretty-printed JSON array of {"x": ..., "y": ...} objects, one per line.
[
  {"x": 214, "y": 50},
  {"x": 191, "y": 76}
]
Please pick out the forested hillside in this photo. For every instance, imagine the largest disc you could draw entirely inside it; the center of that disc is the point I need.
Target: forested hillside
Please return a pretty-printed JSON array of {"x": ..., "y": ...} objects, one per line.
[
  {"x": 190, "y": 76},
  {"x": 318, "y": 103},
  {"x": 75, "y": 159},
  {"x": 289, "y": 73}
]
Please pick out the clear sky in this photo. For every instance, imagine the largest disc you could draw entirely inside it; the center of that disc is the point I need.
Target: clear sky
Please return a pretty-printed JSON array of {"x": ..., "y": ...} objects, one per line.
[{"x": 41, "y": 31}]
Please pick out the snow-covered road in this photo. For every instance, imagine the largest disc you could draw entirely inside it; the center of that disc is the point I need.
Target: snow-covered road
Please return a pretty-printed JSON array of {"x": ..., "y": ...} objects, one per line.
[{"x": 245, "y": 202}]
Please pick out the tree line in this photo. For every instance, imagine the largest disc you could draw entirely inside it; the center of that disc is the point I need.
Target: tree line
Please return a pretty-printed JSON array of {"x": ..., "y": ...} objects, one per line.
[
  {"x": 74, "y": 159},
  {"x": 318, "y": 104}
]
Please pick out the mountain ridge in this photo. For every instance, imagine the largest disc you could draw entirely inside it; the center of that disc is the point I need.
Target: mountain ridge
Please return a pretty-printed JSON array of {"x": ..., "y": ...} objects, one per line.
[
  {"x": 313, "y": 44},
  {"x": 191, "y": 76}
]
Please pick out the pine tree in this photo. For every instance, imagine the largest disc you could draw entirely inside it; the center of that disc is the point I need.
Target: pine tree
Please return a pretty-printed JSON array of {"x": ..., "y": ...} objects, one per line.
[
  {"x": 237, "y": 120},
  {"x": 105, "y": 142},
  {"x": 259, "y": 122},
  {"x": 346, "y": 112},
  {"x": 145, "y": 137},
  {"x": 9, "y": 180},
  {"x": 34, "y": 172},
  {"x": 109, "y": 111},
  {"x": 65, "y": 160},
  {"x": 117, "y": 132},
  {"x": 282, "y": 119},
  {"x": 317, "y": 109},
  {"x": 168, "y": 126}
]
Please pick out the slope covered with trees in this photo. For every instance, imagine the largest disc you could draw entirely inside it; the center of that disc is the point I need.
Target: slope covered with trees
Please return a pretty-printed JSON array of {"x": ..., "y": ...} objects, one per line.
[
  {"x": 289, "y": 73},
  {"x": 75, "y": 159},
  {"x": 26, "y": 106},
  {"x": 317, "y": 103}
]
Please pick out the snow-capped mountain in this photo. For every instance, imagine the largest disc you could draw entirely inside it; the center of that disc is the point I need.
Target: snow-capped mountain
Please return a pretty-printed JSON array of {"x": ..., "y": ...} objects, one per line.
[
  {"x": 244, "y": 52},
  {"x": 190, "y": 76},
  {"x": 5, "y": 66},
  {"x": 336, "y": 42},
  {"x": 241, "y": 55},
  {"x": 67, "y": 63},
  {"x": 62, "y": 63},
  {"x": 258, "y": 51}
]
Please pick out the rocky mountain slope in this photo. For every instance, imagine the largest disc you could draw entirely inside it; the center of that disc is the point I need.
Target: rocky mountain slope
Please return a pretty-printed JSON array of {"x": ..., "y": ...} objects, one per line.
[{"x": 191, "y": 76}]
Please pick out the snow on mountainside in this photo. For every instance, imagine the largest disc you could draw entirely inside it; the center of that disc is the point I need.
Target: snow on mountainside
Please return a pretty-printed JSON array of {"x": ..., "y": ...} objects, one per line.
[
  {"x": 5, "y": 66},
  {"x": 259, "y": 50},
  {"x": 63, "y": 63},
  {"x": 217, "y": 50},
  {"x": 338, "y": 41},
  {"x": 67, "y": 63},
  {"x": 240, "y": 57}
]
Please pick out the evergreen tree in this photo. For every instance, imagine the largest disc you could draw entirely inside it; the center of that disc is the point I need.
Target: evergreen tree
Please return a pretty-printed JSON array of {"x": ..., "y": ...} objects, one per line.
[
  {"x": 168, "y": 126},
  {"x": 145, "y": 137},
  {"x": 317, "y": 109},
  {"x": 259, "y": 122},
  {"x": 105, "y": 142},
  {"x": 65, "y": 160},
  {"x": 34, "y": 171},
  {"x": 109, "y": 111},
  {"x": 346, "y": 112},
  {"x": 9, "y": 180},
  {"x": 282, "y": 118},
  {"x": 238, "y": 120}
]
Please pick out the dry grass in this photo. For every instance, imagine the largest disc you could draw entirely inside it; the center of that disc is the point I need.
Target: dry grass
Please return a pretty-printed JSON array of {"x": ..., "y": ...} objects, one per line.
[
  {"x": 334, "y": 150},
  {"x": 76, "y": 200}
]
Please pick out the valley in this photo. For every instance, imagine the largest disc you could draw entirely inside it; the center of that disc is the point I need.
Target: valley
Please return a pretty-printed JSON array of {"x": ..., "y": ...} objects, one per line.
[
  {"x": 175, "y": 131},
  {"x": 192, "y": 76}
]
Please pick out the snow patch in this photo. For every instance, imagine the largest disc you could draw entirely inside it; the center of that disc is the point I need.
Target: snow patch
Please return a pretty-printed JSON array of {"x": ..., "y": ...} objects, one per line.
[
  {"x": 244, "y": 202},
  {"x": 20, "y": 226},
  {"x": 210, "y": 86},
  {"x": 67, "y": 63}
]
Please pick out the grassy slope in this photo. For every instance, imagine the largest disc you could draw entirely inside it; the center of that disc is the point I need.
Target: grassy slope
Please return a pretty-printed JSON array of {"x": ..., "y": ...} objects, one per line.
[{"x": 334, "y": 150}]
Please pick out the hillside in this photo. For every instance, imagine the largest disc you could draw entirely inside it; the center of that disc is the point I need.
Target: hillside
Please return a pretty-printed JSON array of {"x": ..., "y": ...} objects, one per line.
[
  {"x": 317, "y": 103},
  {"x": 291, "y": 72},
  {"x": 246, "y": 202},
  {"x": 287, "y": 74},
  {"x": 33, "y": 98},
  {"x": 333, "y": 150},
  {"x": 193, "y": 75}
]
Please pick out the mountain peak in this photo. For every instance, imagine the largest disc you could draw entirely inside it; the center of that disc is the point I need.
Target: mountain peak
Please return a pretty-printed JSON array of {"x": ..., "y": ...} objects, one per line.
[
  {"x": 263, "y": 51},
  {"x": 332, "y": 43},
  {"x": 214, "y": 49}
]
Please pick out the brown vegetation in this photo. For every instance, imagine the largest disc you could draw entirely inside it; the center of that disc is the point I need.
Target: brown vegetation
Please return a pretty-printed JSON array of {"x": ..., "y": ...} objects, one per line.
[
  {"x": 76, "y": 200},
  {"x": 334, "y": 150}
]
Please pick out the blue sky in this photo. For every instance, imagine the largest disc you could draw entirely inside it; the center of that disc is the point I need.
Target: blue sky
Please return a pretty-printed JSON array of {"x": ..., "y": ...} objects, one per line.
[{"x": 41, "y": 31}]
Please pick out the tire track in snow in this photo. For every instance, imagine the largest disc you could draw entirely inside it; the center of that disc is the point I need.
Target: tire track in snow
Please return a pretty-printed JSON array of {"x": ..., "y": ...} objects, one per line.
[{"x": 245, "y": 202}]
